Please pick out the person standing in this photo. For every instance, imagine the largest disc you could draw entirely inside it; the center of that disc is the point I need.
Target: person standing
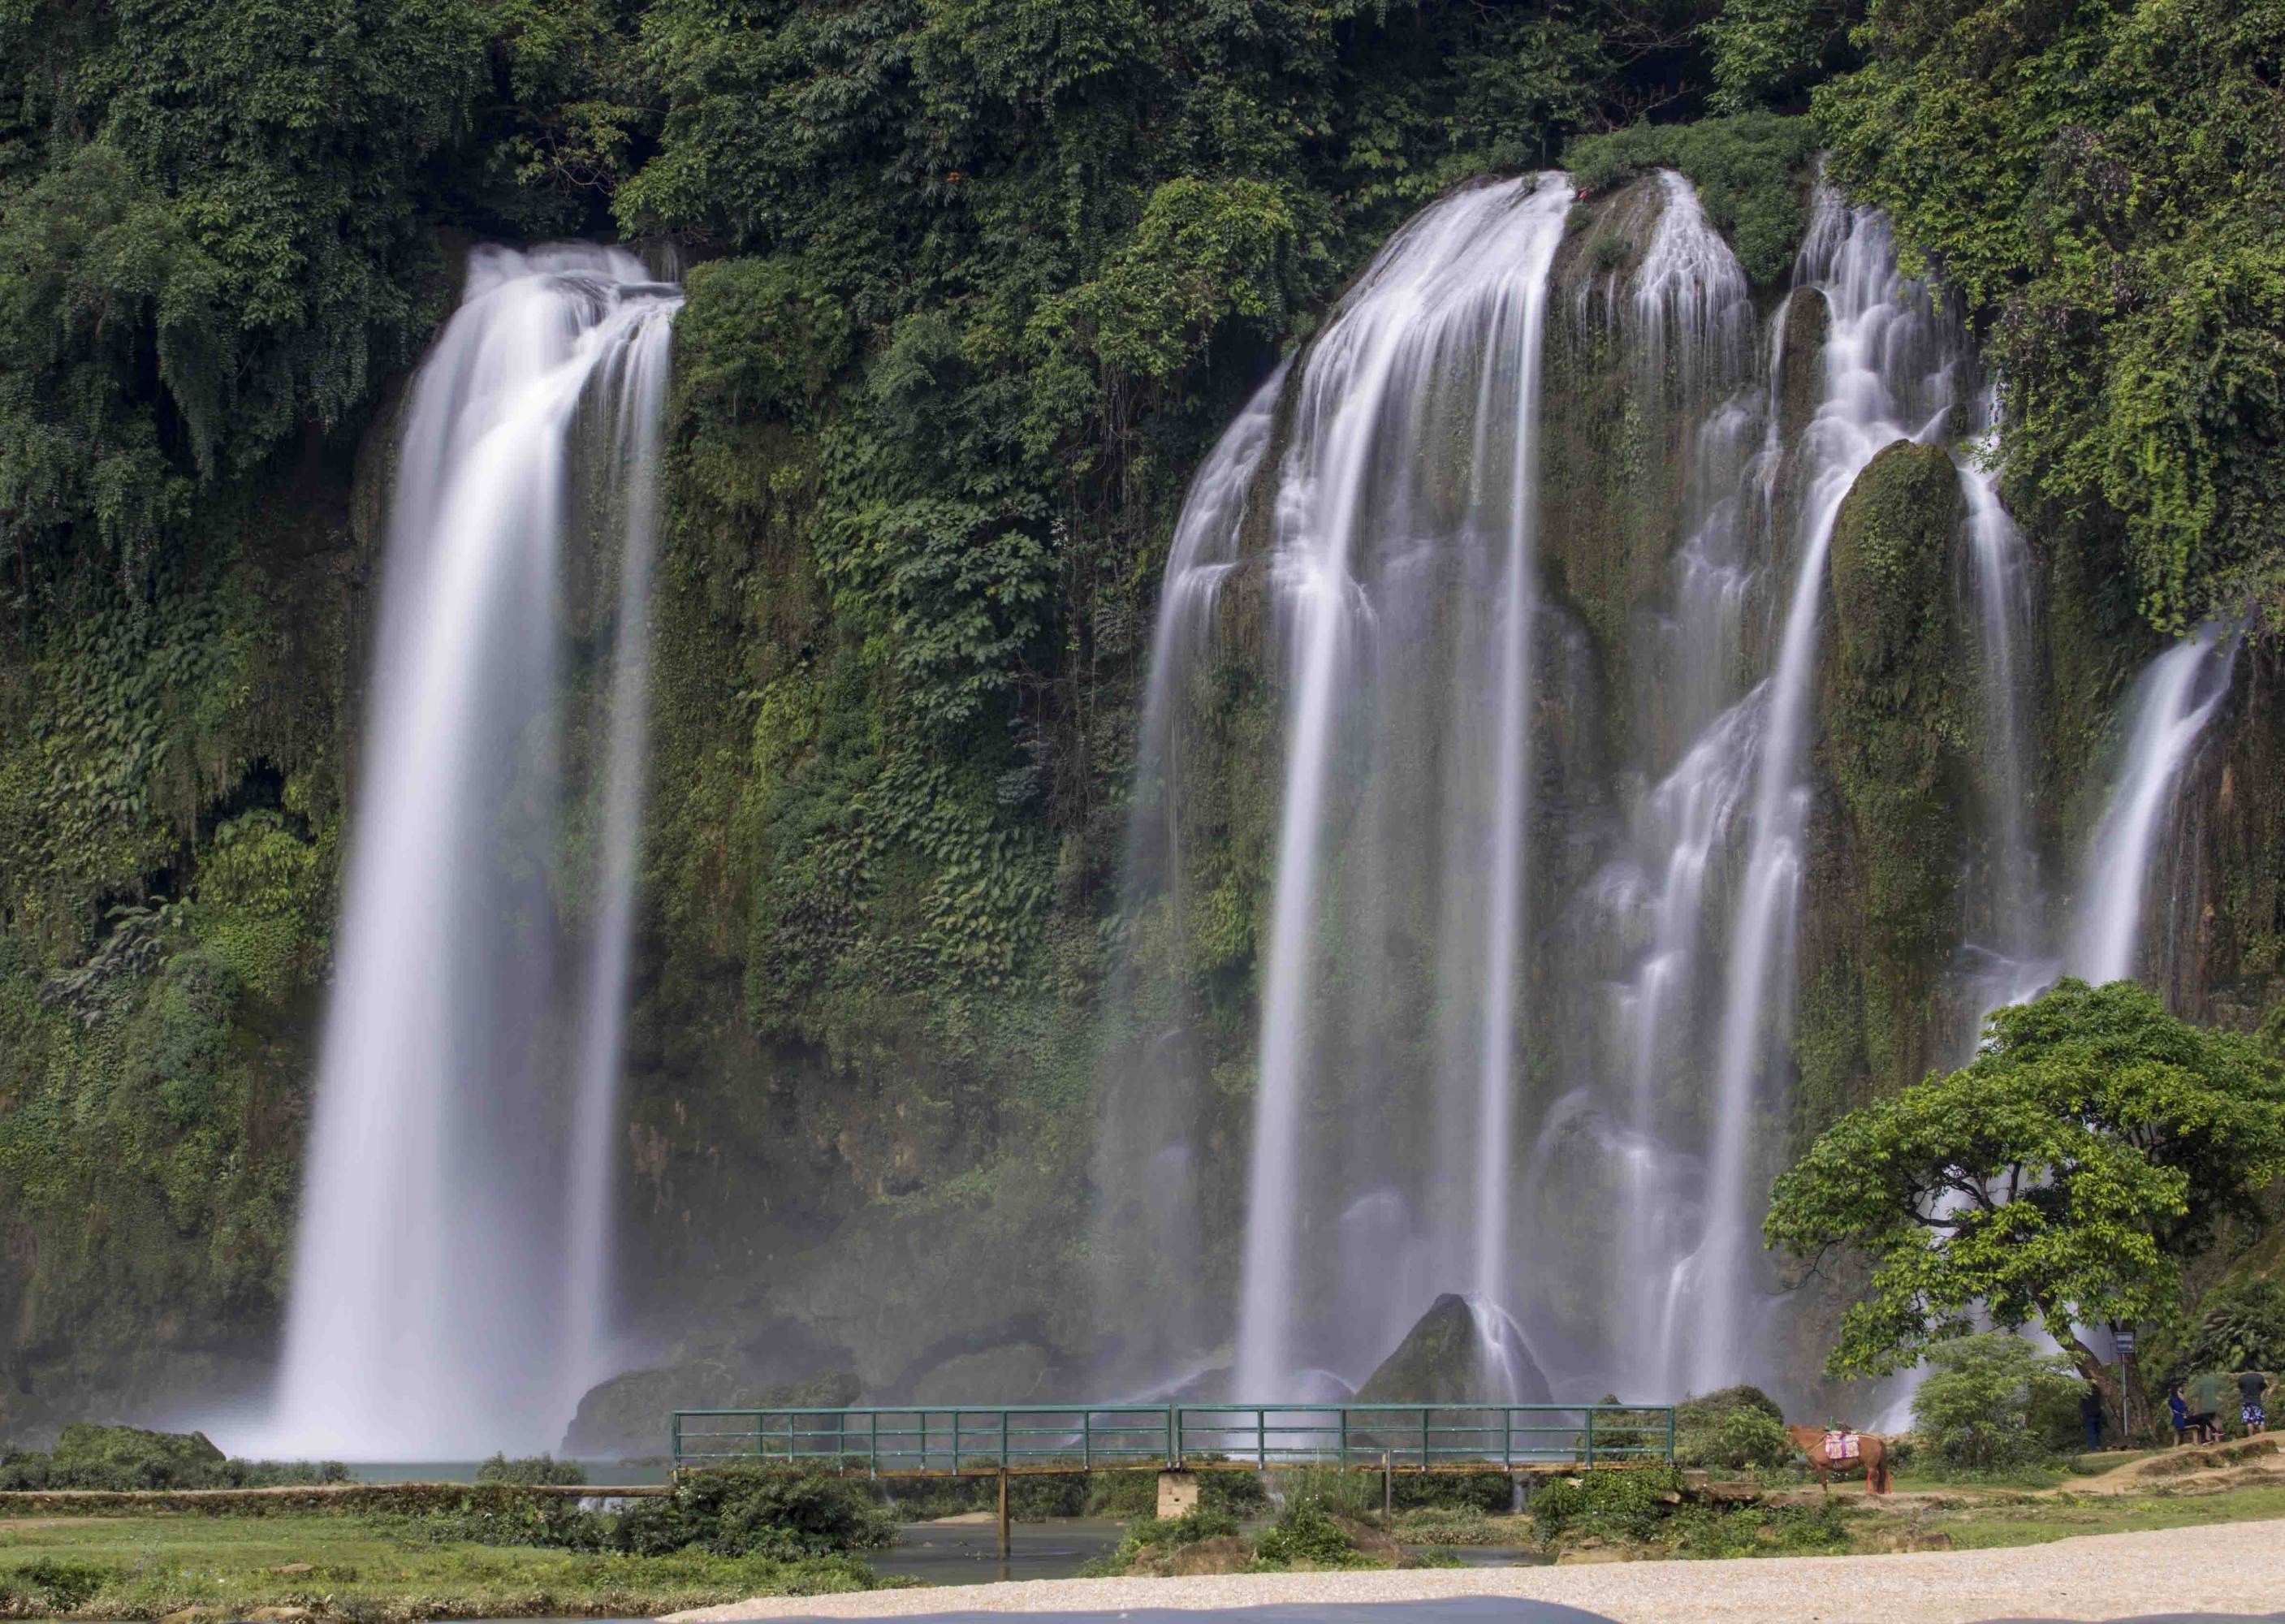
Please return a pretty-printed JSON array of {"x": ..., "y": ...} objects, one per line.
[
  {"x": 2252, "y": 1386},
  {"x": 2090, "y": 1414}
]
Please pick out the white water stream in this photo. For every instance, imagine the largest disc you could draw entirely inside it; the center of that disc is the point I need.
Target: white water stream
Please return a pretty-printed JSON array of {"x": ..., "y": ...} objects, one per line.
[
  {"x": 1440, "y": 337},
  {"x": 1884, "y": 357},
  {"x": 450, "y": 1286},
  {"x": 2171, "y": 704}
]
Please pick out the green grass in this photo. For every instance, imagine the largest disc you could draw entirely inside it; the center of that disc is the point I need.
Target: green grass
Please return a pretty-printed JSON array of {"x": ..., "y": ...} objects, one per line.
[
  {"x": 146, "y": 1567},
  {"x": 2061, "y": 1516}
]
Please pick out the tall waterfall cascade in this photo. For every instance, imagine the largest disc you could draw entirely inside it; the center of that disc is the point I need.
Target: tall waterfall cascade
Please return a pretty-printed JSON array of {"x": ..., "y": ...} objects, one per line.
[
  {"x": 451, "y": 1283},
  {"x": 1549, "y": 793},
  {"x": 1438, "y": 343}
]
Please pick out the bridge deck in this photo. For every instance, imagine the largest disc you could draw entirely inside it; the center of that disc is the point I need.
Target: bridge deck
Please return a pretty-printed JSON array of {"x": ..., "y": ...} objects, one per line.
[{"x": 948, "y": 1441}]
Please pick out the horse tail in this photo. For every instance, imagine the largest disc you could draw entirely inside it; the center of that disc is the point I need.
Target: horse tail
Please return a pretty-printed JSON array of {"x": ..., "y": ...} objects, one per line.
[{"x": 1881, "y": 1472}]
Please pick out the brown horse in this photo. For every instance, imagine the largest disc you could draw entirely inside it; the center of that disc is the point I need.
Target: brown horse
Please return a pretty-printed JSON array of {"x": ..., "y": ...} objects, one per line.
[{"x": 1873, "y": 1452}]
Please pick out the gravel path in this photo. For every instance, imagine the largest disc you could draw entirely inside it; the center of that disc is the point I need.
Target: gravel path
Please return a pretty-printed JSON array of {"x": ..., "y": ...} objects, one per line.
[{"x": 2223, "y": 1567}]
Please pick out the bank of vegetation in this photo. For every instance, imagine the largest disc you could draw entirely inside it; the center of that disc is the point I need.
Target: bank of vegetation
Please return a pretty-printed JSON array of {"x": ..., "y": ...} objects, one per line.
[{"x": 475, "y": 1550}]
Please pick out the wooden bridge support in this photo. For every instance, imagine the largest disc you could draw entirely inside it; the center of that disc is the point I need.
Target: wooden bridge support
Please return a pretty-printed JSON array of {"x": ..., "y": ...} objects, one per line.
[{"x": 1006, "y": 1540}]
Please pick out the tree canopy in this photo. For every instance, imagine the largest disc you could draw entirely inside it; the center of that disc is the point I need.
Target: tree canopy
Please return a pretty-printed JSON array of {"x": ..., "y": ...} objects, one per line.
[{"x": 2060, "y": 1180}]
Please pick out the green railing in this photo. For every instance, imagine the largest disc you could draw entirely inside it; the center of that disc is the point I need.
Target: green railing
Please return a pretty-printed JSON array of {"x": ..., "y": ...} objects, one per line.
[{"x": 1083, "y": 1438}]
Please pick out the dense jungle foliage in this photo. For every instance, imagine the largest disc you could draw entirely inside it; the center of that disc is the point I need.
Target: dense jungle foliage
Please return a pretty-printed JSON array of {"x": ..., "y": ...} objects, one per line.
[{"x": 971, "y": 286}]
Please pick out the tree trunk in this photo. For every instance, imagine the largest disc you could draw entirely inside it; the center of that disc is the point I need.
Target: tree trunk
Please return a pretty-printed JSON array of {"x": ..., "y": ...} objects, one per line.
[{"x": 2105, "y": 1377}]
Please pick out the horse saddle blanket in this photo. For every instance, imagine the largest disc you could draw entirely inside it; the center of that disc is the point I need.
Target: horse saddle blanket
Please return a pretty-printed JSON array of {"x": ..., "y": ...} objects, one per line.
[{"x": 1843, "y": 1447}]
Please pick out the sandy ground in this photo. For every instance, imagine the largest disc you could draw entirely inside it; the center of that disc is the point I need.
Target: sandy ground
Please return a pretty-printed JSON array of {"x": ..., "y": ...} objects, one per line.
[{"x": 2231, "y": 1568}]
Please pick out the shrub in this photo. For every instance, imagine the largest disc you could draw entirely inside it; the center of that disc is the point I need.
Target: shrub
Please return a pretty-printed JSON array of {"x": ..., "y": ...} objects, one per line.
[
  {"x": 1150, "y": 1542},
  {"x": 1760, "y": 1531},
  {"x": 1746, "y": 169},
  {"x": 1345, "y": 1494},
  {"x": 783, "y": 1512},
  {"x": 45, "y": 1585},
  {"x": 1736, "y": 1429},
  {"x": 1626, "y": 1503},
  {"x": 1722, "y": 1401},
  {"x": 1162, "y": 1531},
  {"x": 531, "y": 1469},
  {"x": 126, "y": 1459},
  {"x": 1307, "y": 1533},
  {"x": 550, "y": 1523},
  {"x": 1451, "y": 1525},
  {"x": 1487, "y": 1492},
  {"x": 1975, "y": 1405},
  {"x": 2242, "y": 1327},
  {"x": 1743, "y": 1440}
]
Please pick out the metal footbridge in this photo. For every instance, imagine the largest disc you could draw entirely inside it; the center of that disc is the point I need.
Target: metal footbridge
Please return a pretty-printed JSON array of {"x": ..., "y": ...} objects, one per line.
[{"x": 945, "y": 1440}]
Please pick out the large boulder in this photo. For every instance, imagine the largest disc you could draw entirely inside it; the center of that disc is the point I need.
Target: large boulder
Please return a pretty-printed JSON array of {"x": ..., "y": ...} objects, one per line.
[
  {"x": 1016, "y": 1372},
  {"x": 628, "y": 1417},
  {"x": 1456, "y": 1352}
]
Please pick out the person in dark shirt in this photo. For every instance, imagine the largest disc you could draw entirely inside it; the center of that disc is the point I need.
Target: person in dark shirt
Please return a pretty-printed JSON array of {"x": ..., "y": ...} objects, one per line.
[
  {"x": 2251, "y": 1387},
  {"x": 2090, "y": 1414},
  {"x": 2187, "y": 1422}
]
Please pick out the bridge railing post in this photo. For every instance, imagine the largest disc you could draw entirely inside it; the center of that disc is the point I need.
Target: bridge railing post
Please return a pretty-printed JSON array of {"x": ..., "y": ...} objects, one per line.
[
  {"x": 1590, "y": 1435},
  {"x": 1670, "y": 1432},
  {"x": 1174, "y": 1449}
]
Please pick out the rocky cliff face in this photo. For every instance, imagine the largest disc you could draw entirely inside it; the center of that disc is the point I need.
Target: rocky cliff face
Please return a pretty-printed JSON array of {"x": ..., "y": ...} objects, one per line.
[{"x": 871, "y": 1027}]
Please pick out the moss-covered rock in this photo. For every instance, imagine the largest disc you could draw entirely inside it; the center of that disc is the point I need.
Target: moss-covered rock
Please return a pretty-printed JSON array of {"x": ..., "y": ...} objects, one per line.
[
  {"x": 627, "y": 1417},
  {"x": 1800, "y": 362},
  {"x": 1444, "y": 1358},
  {"x": 1895, "y": 732},
  {"x": 1882, "y": 911}
]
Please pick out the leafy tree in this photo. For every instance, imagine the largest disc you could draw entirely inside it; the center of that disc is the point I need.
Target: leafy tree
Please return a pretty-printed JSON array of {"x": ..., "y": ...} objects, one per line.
[
  {"x": 2062, "y": 1178},
  {"x": 1769, "y": 51},
  {"x": 1976, "y": 1403}
]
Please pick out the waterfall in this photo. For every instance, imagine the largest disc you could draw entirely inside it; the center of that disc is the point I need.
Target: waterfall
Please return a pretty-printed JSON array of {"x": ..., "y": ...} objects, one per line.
[
  {"x": 1437, "y": 344},
  {"x": 1692, "y": 304},
  {"x": 1884, "y": 356},
  {"x": 2006, "y": 954},
  {"x": 2171, "y": 704},
  {"x": 1527, "y": 980},
  {"x": 1145, "y": 1161},
  {"x": 1692, "y": 815},
  {"x": 633, "y": 380},
  {"x": 1693, "y": 312},
  {"x": 451, "y": 1271}
]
